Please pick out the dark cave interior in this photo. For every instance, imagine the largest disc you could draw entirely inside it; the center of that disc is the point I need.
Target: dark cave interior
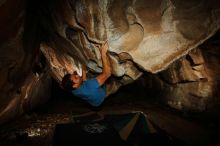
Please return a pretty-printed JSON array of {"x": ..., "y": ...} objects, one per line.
[
  {"x": 37, "y": 126},
  {"x": 180, "y": 103}
]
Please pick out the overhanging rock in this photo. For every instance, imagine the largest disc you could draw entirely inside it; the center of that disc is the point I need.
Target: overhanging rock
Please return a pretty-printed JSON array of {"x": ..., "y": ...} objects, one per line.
[{"x": 152, "y": 34}]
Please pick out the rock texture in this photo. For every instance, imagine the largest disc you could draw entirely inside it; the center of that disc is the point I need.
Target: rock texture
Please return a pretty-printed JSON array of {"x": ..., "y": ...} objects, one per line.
[
  {"x": 152, "y": 34},
  {"x": 24, "y": 78},
  {"x": 42, "y": 39},
  {"x": 189, "y": 83}
]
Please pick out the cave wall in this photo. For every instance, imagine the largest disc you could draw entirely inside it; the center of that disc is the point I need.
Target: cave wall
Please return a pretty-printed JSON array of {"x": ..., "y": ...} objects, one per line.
[
  {"x": 24, "y": 78},
  {"x": 43, "y": 39},
  {"x": 189, "y": 83}
]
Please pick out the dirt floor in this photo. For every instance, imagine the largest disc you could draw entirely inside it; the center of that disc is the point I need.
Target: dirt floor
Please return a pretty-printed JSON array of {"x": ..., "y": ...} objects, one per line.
[{"x": 37, "y": 127}]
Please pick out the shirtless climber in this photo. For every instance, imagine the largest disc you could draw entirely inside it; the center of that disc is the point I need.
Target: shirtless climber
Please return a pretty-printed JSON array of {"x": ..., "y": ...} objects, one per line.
[{"x": 90, "y": 90}]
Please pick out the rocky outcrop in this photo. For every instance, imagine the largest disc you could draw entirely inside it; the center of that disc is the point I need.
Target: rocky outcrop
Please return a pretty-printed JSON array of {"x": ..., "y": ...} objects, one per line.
[
  {"x": 143, "y": 36},
  {"x": 152, "y": 34},
  {"x": 189, "y": 85}
]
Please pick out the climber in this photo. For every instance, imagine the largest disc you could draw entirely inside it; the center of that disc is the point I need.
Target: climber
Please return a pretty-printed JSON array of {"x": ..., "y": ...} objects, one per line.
[{"x": 91, "y": 90}]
